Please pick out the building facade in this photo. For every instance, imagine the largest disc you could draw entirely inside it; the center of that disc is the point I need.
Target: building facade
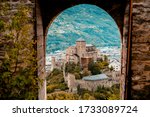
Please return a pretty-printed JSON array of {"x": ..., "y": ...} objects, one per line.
[{"x": 115, "y": 64}]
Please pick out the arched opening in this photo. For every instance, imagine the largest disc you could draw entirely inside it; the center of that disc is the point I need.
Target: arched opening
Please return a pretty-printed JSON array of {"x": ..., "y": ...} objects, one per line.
[
  {"x": 46, "y": 11},
  {"x": 83, "y": 42}
]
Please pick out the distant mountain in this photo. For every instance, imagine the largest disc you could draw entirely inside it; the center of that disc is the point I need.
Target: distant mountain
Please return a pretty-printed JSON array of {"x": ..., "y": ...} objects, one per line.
[{"x": 85, "y": 21}]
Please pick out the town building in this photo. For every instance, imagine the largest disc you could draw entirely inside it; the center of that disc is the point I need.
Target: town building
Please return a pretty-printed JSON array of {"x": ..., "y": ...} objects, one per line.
[{"x": 115, "y": 64}]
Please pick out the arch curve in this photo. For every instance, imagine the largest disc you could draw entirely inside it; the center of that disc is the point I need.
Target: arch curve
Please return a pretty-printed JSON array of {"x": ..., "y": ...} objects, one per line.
[{"x": 47, "y": 11}]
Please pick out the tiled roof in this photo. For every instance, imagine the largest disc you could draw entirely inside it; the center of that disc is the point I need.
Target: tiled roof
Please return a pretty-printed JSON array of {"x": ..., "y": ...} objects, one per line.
[{"x": 96, "y": 77}]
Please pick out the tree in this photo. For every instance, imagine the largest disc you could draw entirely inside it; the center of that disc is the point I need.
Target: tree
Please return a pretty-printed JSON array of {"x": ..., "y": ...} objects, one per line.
[
  {"x": 18, "y": 68},
  {"x": 74, "y": 69},
  {"x": 62, "y": 96},
  {"x": 94, "y": 68},
  {"x": 55, "y": 81},
  {"x": 70, "y": 67},
  {"x": 55, "y": 77},
  {"x": 56, "y": 72},
  {"x": 86, "y": 72},
  {"x": 105, "y": 58},
  {"x": 108, "y": 93},
  {"x": 103, "y": 64},
  {"x": 87, "y": 96},
  {"x": 77, "y": 69},
  {"x": 77, "y": 76}
]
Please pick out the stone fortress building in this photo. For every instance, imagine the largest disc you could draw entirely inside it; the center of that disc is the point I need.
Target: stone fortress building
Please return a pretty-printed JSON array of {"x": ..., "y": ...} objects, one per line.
[
  {"x": 89, "y": 82},
  {"x": 82, "y": 53}
]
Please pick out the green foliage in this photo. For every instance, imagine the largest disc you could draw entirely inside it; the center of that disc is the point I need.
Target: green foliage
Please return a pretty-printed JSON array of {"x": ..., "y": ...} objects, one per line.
[
  {"x": 56, "y": 72},
  {"x": 111, "y": 68},
  {"x": 97, "y": 67},
  {"x": 100, "y": 96},
  {"x": 77, "y": 75},
  {"x": 87, "y": 96},
  {"x": 105, "y": 58},
  {"x": 86, "y": 72},
  {"x": 51, "y": 88},
  {"x": 77, "y": 69},
  {"x": 18, "y": 68},
  {"x": 72, "y": 67},
  {"x": 112, "y": 93},
  {"x": 103, "y": 65},
  {"x": 1, "y": 25},
  {"x": 63, "y": 86},
  {"x": 55, "y": 81},
  {"x": 116, "y": 92},
  {"x": 4, "y": 10},
  {"x": 55, "y": 77},
  {"x": 62, "y": 96},
  {"x": 94, "y": 68}
]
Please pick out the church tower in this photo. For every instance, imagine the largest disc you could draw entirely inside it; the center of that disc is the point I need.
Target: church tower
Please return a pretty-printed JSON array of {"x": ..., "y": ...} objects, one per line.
[{"x": 81, "y": 47}]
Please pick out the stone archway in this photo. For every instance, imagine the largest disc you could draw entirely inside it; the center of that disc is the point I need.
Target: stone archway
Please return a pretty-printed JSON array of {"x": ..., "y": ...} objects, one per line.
[
  {"x": 46, "y": 11},
  {"x": 135, "y": 68}
]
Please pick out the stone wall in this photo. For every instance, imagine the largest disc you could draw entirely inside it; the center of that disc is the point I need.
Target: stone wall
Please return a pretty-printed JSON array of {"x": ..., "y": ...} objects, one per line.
[
  {"x": 141, "y": 50},
  {"x": 74, "y": 84},
  {"x": 92, "y": 85},
  {"x": 36, "y": 33},
  {"x": 12, "y": 7}
]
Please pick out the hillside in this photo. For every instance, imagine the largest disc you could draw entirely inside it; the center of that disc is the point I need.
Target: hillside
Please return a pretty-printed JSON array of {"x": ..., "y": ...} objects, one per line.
[{"x": 82, "y": 21}]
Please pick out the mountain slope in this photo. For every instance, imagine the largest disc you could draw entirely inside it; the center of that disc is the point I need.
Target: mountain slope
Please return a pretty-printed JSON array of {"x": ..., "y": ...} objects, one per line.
[{"x": 85, "y": 21}]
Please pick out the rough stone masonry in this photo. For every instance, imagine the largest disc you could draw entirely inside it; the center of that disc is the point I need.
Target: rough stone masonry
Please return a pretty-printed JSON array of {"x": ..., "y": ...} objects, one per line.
[{"x": 141, "y": 50}]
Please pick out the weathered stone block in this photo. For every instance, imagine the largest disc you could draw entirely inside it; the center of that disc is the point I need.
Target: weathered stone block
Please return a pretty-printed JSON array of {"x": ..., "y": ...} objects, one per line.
[
  {"x": 147, "y": 68},
  {"x": 141, "y": 47},
  {"x": 141, "y": 56},
  {"x": 137, "y": 65},
  {"x": 39, "y": 30}
]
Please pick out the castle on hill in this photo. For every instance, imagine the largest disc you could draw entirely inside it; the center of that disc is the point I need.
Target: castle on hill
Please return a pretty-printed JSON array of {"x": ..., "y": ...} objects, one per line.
[{"x": 82, "y": 53}]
